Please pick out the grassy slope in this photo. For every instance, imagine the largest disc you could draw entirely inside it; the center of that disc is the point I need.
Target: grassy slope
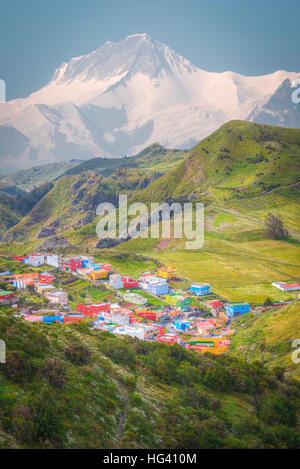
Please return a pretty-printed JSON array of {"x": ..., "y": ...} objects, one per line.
[
  {"x": 236, "y": 258},
  {"x": 275, "y": 330},
  {"x": 241, "y": 172},
  {"x": 167, "y": 397},
  {"x": 73, "y": 200},
  {"x": 27, "y": 179},
  {"x": 8, "y": 219},
  {"x": 234, "y": 276},
  {"x": 155, "y": 157},
  {"x": 239, "y": 159}
]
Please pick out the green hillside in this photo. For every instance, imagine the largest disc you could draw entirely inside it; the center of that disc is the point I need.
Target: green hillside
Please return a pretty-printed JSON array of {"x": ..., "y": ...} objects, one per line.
[
  {"x": 101, "y": 165},
  {"x": 14, "y": 207},
  {"x": 237, "y": 258},
  {"x": 72, "y": 202},
  {"x": 27, "y": 179},
  {"x": 8, "y": 219},
  {"x": 268, "y": 337},
  {"x": 238, "y": 161},
  {"x": 238, "y": 191},
  {"x": 69, "y": 386},
  {"x": 72, "y": 387},
  {"x": 154, "y": 158}
]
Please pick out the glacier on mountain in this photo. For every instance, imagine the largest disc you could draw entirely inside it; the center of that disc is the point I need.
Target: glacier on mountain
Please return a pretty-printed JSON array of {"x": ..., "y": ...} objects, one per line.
[{"x": 126, "y": 95}]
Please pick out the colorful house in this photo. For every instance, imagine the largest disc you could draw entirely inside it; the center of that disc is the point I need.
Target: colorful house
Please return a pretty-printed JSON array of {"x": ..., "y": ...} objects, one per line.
[
  {"x": 75, "y": 264},
  {"x": 93, "y": 309},
  {"x": 6, "y": 296},
  {"x": 120, "y": 317},
  {"x": 286, "y": 287},
  {"x": 182, "y": 325},
  {"x": 32, "y": 318},
  {"x": 154, "y": 285},
  {"x": 98, "y": 274},
  {"x": 146, "y": 314},
  {"x": 167, "y": 272},
  {"x": 57, "y": 296},
  {"x": 85, "y": 271},
  {"x": 161, "y": 329},
  {"x": 53, "y": 319},
  {"x": 173, "y": 298},
  {"x": 43, "y": 288},
  {"x": 19, "y": 258},
  {"x": 35, "y": 260},
  {"x": 167, "y": 338},
  {"x": 22, "y": 280},
  {"x": 138, "y": 330},
  {"x": 200, "y": 289},
  {"x": 73, "y": 318},
  {"x": 72, "y": 264},
  {"x": 236, "y": 309},
  {"x": 178, "y": 300},
  {"x": 129, "y": 283},
  {"x": 205, "y": 324},
  {"x": 107, "y": 267},
  {"x": 215, "y": 304},
  {"x": 46, "y": 278},
  {"x": 52, "y": 259},
  {"x": 117, "y": 281},
  {"x": 215, "y": 345}
]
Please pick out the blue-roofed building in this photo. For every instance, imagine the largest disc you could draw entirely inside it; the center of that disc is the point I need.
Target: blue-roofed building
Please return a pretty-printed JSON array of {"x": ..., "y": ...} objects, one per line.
[
  {"x": 200, "y": 289},
  {"x": 236, "y": 309},
  {"x": 182, "y": 325},
  {"x": 51, "y": 319}
]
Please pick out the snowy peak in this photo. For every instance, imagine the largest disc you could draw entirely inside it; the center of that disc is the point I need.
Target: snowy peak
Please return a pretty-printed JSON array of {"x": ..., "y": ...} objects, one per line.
[
  {"x": 126, "y": 95},
  {"x": 138, "y": 53}
]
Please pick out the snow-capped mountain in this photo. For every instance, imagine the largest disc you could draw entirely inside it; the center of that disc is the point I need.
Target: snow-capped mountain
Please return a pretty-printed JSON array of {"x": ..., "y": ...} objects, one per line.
[{"x": 127, "y": 95}]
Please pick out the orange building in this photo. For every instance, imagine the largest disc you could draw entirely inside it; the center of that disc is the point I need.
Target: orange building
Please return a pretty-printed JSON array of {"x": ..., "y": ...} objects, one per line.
[
  {"x": 167, "y": 272},
  {"x": 73, "y": 318},
  {"x": 22, "y": 280},
  {"x": 98, "y": 274},
  {"x": 30, "y": 276},
  {"x": 214, "y": 345}
]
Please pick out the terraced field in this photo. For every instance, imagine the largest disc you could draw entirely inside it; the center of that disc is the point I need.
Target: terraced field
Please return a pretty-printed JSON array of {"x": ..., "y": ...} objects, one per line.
[{"x": 259, "y": 202}]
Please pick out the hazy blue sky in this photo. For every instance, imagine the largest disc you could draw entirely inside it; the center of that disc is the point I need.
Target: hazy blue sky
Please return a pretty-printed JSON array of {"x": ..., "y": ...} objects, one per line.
[{"x": 252, "y": 37}]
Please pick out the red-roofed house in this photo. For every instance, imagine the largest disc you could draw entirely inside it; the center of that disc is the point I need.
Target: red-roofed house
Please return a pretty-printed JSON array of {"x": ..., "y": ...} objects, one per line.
[
  {"x": 205, "y": 324},
  {"x": 215, "y": 304}
]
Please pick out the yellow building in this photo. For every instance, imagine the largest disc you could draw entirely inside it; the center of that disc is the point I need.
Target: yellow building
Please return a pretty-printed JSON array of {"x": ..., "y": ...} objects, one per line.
[
  {"x": 214, "y": 345},
  {"x": 167, "y": 272},
  {"x": 98, "y": 274},
  {"x": 42, "y": 288},
  {"x": 215, "y": 350}
]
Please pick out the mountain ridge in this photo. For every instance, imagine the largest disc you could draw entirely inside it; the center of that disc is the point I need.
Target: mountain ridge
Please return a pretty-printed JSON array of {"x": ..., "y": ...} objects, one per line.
[{"x": 239, "y": 161}]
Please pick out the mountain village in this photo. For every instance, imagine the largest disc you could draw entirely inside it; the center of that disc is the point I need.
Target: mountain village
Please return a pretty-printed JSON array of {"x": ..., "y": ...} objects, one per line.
[{"x": 149, "y": 308}]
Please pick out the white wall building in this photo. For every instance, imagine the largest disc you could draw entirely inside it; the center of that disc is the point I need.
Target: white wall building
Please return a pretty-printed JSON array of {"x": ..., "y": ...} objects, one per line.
[
  {"x": 35, "y": 260},
  {"x": 52, "y": 259},
  {"x": 115, "y": 281},
  {"x": 57, "y": 296}
]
